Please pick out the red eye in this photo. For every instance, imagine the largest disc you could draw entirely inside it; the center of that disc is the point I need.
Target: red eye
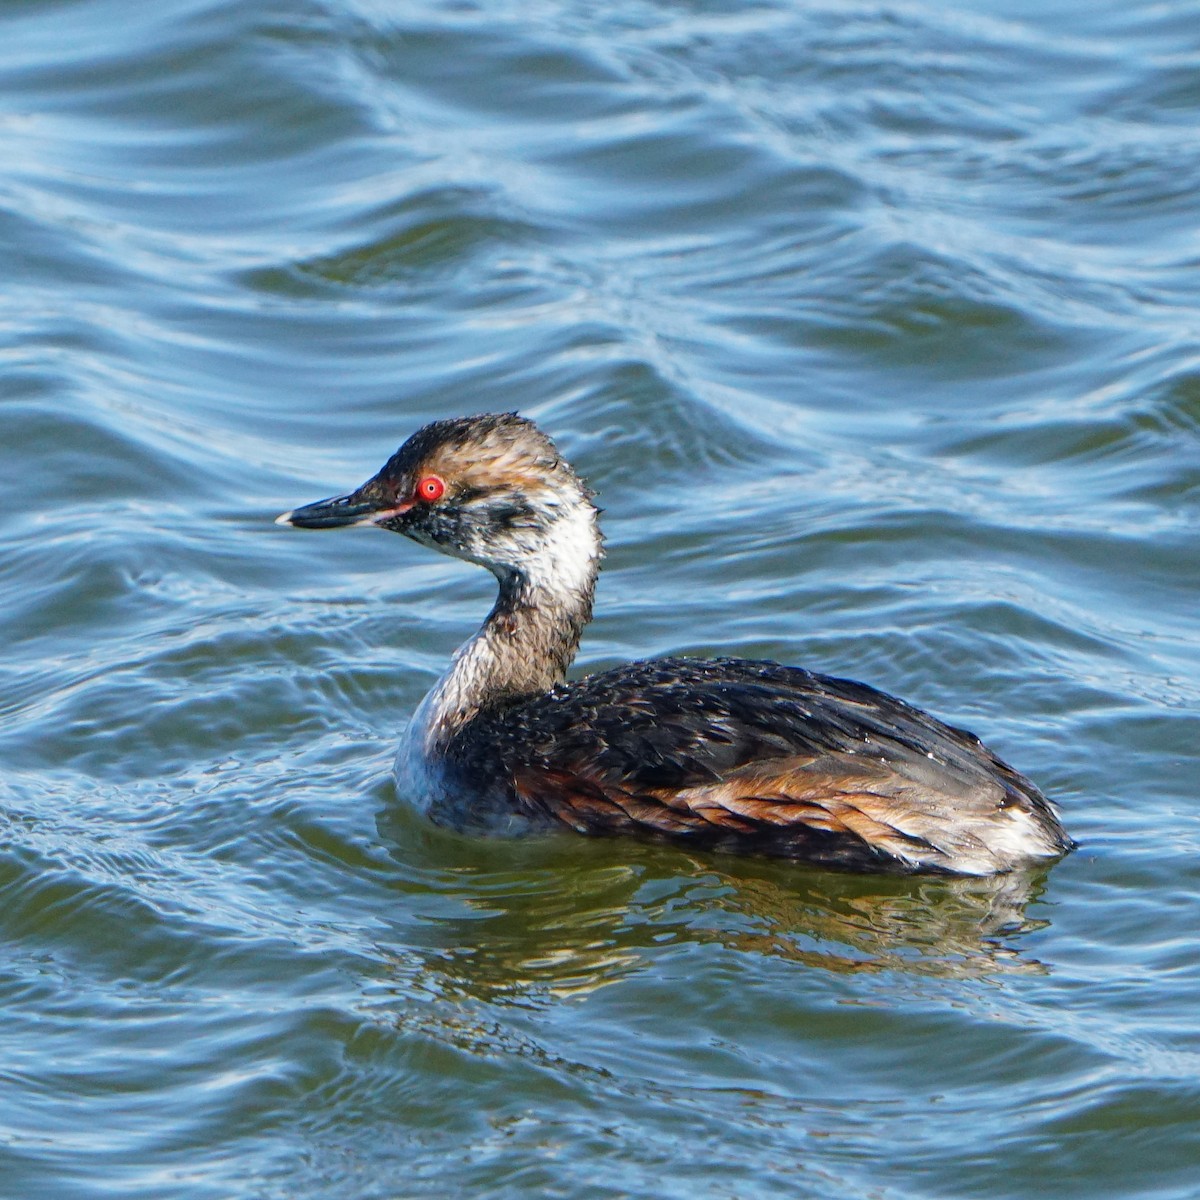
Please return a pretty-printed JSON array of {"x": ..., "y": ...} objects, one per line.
[{"x": 431, "y": 488}]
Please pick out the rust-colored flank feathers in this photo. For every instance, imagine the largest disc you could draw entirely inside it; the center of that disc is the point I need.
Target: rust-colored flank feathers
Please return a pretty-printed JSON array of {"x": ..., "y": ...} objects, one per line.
[{"x": 723, "y": 753}]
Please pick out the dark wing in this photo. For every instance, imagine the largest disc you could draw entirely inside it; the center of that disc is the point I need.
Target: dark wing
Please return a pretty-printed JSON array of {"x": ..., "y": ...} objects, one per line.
[{"x": 753, "y": 755}]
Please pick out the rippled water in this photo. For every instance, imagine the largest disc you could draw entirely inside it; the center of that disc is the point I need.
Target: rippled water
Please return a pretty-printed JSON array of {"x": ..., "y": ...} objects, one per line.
[{"x": 874, "y": 326}]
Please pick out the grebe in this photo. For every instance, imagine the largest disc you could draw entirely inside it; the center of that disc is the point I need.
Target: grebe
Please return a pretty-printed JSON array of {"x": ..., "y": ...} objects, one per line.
[{"x": 726, "y": 753}]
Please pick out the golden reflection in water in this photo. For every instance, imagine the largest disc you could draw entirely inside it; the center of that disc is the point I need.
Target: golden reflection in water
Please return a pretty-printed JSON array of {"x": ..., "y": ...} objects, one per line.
[
  {"x": 563, "y": 925},
  {"x": 956, "y": 928}
]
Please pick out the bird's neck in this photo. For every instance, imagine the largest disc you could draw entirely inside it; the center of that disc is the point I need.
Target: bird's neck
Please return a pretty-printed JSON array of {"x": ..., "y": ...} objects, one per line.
[{"x": 531, "y": 635}]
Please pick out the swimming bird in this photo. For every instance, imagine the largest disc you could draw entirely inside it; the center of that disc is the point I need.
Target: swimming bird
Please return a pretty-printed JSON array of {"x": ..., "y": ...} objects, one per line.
[{"x": 727, "y": 753}]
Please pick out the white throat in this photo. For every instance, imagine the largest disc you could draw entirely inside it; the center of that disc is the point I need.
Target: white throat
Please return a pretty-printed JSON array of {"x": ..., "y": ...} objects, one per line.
[{"x": 547, "y": 575}]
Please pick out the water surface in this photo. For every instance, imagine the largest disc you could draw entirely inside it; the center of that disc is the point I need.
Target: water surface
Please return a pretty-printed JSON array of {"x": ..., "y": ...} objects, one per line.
[{"x": 874, "y": 326}]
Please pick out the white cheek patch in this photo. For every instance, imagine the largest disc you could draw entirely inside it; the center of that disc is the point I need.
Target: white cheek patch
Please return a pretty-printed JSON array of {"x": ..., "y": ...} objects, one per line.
[{"x": 563, "y": 556}]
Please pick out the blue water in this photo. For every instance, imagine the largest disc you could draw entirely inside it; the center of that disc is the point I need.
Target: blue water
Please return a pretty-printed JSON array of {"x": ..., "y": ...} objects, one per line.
[{"x": 875, "y": 328}]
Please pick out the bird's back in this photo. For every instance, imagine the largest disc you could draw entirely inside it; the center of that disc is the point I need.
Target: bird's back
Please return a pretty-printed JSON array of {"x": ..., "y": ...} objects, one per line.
[{"x": 749, "y": 755}]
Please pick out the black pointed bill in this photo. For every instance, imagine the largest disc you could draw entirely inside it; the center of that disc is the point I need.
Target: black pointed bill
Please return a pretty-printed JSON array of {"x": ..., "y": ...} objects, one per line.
[{"x": 335, "y": 513}]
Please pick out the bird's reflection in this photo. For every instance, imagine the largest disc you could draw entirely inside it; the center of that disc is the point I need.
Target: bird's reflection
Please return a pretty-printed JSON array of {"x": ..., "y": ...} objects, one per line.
[{"x": 530, "y": 922}]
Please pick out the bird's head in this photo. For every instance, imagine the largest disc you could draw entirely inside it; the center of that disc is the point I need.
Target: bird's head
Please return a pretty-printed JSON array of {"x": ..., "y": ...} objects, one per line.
[{"x": 491, "y": 489}]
